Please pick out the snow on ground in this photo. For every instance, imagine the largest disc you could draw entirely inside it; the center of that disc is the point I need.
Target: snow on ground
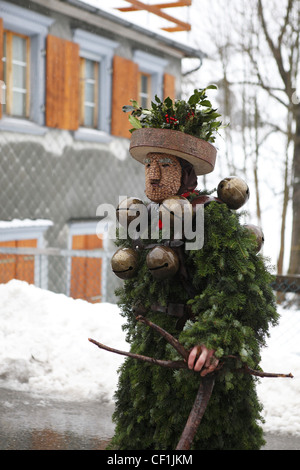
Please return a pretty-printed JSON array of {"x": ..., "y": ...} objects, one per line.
[
  {"x": 281, "y": 396},
  {"x": 44, "y": 345},
  {"x": 44, "y": 350}
]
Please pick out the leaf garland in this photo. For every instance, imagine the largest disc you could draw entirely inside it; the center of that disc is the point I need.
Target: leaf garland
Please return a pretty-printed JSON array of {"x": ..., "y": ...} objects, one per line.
[{"x": 195, "y": 117}]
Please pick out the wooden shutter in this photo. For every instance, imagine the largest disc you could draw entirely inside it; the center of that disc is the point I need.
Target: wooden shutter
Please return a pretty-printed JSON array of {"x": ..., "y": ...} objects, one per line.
[
  {"x": 86, "y": 272},
  {"x": 62, "y": 83},
  {"x": 169, "y": 86},
  {"x": 124, "y": 88},
  {"x": 1, "y": 64},
  {"x": 14, "y": 266},
  {"x": 25, "y": 263},
  {"x": 7, "y": 263}
]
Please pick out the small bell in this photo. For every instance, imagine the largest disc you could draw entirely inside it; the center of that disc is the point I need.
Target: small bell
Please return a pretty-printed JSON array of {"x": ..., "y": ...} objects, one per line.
[
  {"x": 257, "y": 231},
  {"x": 128, "y": 210},
  {"x": 124, "y": 263},
  {"x": 162, "y": 262},
  {"x": 233, "y": 191}
]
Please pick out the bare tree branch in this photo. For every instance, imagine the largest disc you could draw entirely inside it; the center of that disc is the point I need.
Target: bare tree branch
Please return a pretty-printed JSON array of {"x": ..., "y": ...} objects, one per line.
[
  {"x": 276, "y": 51},
  {"x": 286, "y": 22},
  {"x": 151, "y": 360}
]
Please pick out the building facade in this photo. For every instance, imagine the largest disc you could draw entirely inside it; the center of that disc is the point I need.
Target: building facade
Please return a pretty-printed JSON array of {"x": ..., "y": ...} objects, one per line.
[{"x": 66, "y": 71}]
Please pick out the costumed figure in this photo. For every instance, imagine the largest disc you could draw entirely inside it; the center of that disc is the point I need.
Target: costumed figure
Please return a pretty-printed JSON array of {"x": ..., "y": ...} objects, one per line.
[{"x": 216, "y": 302}]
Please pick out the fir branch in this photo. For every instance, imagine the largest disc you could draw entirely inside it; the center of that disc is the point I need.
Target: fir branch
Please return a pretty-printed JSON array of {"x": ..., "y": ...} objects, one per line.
[
  {"x": 206, "y": 383},
  {"x": 168, "y": 337}
]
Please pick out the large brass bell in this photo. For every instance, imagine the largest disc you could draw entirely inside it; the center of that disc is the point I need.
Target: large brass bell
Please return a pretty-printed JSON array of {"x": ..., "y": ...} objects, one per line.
[
  {"x": 128, "y": 210},
  {"x": 233, "y": 191},
  {"x": 173, "y": 210},
  {"x": 124, "y": 263},
  {"x": 257, "y": 231},
  {"x": 163, "y": 262}
]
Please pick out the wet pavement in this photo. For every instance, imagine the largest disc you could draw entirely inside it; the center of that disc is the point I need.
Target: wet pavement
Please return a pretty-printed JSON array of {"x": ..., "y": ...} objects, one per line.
[
  {"x": 41, "y": 423},
  {"x": 37, "y": 423}
]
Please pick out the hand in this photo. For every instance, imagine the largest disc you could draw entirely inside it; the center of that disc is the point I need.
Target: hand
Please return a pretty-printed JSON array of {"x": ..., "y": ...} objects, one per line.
[{"x": 201, "y": 358}]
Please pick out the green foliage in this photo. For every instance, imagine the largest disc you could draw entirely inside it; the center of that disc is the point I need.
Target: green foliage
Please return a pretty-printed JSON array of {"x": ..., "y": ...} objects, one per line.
[
  {"x": 196, "y": 116},
  {"x": 233, "y": 307}
]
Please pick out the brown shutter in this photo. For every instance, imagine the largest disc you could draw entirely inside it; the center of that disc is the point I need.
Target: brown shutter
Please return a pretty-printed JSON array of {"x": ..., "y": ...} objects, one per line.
[
  {"x": 25, "y": 264},
  {"x": 169, "y": 86},
  {"x": 14, "y": 266},
  {"x": 8, "y": 263},
  {"x": 86, "y": 271},
  {"x": 62, "y": 84},
  {"x": 1, "y": 64},
  {"x": 124, "y": 88}
]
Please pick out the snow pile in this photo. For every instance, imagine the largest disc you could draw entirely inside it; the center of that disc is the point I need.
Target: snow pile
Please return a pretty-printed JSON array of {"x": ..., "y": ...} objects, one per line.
[
  {"x": 281, "y": 396},
  {"x": 44, "y": 349},
  {"x": 44, "y": 345}
]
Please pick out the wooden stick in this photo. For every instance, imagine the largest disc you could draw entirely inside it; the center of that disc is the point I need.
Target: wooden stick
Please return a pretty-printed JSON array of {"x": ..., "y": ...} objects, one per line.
[
  {"x": 151, "y": 360},
  {"x": 206, "y": 384},
  {"x": 195, "y": 417},
  {"x": 168, "y": 337},
  {"x": 259, "y": 373}
]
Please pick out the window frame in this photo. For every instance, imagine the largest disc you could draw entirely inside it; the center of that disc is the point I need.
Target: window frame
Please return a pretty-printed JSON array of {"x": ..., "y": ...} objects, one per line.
[
  {"x": 9, "y": 60},
  {"x": 101, "y": 51},
  {"x": 154, "y": 67},
  {"x": 22, "y": 21},
  {"x": 141, "y": 94},
  {"x": 83, "y": 102}
]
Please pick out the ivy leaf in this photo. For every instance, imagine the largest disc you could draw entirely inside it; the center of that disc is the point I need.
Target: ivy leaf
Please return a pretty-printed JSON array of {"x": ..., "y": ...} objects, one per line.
[
  {"x": 206, "y": 103},
  {"x": 128, "y": 108},
  {"x": 195, "y": 117},
  {"x": 135, "y": 122},
  {"x": 193, "y": 100},
  {"x": 134, "y": 103},
  {"x": 168, "y": 102}
]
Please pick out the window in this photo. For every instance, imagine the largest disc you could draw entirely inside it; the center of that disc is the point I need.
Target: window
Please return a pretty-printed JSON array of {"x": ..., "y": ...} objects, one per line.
[
  {"x": 145, "y": 90},
  {"x": 96, "y": 54},
  {"x": 151, "y": 76},
  {"x": 16, "y": 49},
  {"x": 89, "y": 93},
  {"x": 24, "y": 37}
]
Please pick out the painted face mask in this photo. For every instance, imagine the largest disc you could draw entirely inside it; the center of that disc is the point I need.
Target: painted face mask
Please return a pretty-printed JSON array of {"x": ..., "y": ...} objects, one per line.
[{"x": 162, "y": 176}]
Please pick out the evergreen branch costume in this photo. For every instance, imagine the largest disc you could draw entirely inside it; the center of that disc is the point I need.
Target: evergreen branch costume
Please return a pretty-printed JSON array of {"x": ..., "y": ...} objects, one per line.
[{"x": 219, "y": 296}]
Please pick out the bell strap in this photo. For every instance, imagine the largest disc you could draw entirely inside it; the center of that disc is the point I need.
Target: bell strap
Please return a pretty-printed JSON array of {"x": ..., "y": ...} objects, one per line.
[
  {"x": 181, "y": 311},
  {"x": 139, "y": 245}
]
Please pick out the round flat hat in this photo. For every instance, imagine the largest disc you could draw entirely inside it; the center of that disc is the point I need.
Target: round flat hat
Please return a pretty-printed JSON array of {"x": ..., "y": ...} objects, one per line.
[{"x": 200, "y": 153}]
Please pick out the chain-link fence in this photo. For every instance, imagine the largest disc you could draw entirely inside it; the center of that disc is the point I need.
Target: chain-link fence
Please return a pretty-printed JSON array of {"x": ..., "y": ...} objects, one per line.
[
  {"x": 52, "y": 184},
  {"x": 87, "y": 274},
  {"x": 80, "y": 274}
]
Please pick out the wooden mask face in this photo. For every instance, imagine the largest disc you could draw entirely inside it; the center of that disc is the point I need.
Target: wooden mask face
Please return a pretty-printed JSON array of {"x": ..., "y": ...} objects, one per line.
[{"x": 162, "y": 176}]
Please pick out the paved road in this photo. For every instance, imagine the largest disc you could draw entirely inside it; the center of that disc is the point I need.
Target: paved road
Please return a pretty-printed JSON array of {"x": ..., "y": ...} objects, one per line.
[{"x": 28, "y": 423}]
